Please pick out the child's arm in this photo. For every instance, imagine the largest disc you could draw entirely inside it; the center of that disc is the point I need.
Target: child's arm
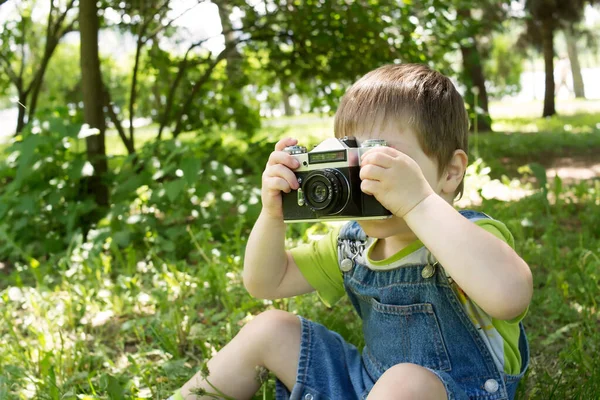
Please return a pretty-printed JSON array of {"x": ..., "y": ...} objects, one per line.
[
  {"x": 269, "y": 270},
  {"x": 485, "y": 267}
]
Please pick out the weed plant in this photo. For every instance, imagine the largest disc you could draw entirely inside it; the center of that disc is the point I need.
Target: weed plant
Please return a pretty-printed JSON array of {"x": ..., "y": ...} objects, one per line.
[{"x": 134, "y": 305}]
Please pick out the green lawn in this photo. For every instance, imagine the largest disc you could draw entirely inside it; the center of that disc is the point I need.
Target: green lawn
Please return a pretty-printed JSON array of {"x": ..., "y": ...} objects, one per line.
[{"x": 108, "y": 321}]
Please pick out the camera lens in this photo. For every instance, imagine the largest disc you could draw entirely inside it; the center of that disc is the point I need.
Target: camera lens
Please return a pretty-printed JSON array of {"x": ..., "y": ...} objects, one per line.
[
  {"x": 319, "y": 192},
  {"x": 327, "y": 191}
]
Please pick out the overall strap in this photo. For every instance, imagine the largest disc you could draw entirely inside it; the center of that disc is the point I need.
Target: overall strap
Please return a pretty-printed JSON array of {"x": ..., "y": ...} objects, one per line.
[
  {"x": 351, "y": 244},
  {"x": 352, "y": 231},
  {"x": 474, "y": 215}
]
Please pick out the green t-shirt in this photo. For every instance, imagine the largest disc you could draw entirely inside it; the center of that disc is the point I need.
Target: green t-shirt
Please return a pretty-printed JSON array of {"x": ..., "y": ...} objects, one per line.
[{"x": 318, "y": 262}]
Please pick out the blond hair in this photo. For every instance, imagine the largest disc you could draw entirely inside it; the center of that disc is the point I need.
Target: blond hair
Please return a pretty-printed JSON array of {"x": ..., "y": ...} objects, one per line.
[{"x": 411, "y": 94}]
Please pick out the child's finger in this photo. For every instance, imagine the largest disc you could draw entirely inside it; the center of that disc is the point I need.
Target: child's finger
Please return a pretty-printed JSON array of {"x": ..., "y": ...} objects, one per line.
[
  {"x": 281, "y": 157},
  {"x": 381, "y": 158},
  {"x": 283, "y": 143},
  {"x": 282, "y": 171},
  {"x": 373, "y": 172},
  {"x": 276, "y": 183},
  {"x": 369, "y": 186}
]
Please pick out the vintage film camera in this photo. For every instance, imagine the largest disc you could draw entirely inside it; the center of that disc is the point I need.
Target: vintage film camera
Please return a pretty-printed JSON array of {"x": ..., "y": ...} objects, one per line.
[{"x": 330, "y": 184}]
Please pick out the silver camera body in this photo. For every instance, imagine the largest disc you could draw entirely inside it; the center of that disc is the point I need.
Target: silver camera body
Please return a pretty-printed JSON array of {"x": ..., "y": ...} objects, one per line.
[{"x": 330, "y": 183}]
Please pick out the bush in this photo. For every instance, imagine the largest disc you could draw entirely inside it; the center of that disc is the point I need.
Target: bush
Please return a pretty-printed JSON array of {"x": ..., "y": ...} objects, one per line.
[{"x": 155, "y": 195}]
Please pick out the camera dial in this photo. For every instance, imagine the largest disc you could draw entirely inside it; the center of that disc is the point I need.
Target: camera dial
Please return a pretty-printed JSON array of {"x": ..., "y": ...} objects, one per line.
[
  {"x": 373, "y": 143},
  {"x": 295, "y": 150}
]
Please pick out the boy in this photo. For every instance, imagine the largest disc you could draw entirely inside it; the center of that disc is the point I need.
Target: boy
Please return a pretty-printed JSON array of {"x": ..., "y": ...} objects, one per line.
[{"x": 441, "y": 294}]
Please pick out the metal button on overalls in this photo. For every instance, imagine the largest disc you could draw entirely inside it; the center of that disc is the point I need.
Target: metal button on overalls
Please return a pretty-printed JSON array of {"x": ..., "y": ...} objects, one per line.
[
  {"x": 346, "y": 264},
  {"x": 491, "y": 386},
  {"x": 428, "y": 271}
]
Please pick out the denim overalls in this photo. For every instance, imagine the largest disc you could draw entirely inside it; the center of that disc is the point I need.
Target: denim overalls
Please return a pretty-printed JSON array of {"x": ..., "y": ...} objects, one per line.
[{"x": 410, "y": 315}]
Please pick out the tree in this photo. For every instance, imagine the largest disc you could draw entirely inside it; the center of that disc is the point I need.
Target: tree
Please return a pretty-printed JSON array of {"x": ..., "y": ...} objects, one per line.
[
  {"x": 490, "y": 13},
  {"x": 26, "y": 48},
  {"x": 544, "y": 18},
  {"x": 92, "y": 86},
  {"x": 571, "y": 35}
]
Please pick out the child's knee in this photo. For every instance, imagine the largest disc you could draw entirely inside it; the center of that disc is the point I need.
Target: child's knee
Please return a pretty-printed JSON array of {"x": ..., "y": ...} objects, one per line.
[
  {"x": 409, "y": 381},
  {"x": 266, "y": 327}
]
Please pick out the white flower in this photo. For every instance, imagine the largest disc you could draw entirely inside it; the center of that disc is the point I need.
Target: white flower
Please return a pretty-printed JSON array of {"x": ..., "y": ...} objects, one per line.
[
  {"x": 143, "y": 298},
  {"x": 142, "y": 266},
  {"x": 86, "y": 131},
  {"x": 15, "y": 294},
  {"x": 242, "y": 209},
  {"x": 227, "y": 197},
  {"x": 179, "y": 173},
  {"x": 102, "y": 317},
  {"x": 87, "y": 170}
]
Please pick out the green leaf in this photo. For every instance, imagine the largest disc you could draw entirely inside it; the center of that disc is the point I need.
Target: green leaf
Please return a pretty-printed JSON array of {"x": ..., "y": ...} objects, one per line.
[
  {"x": 114, "y": 388},
  {"x": 540, "y": 174},
  {"x": 26, "y": 158},
  {"x": 167, "y": 245},
  {"x": 174, "y": 188},
  {"x": 122, "y": 238},
  {"x": 190, "y": 168}
]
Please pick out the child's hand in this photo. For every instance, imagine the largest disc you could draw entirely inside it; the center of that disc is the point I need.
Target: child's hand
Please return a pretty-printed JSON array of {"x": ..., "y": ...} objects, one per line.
[
  {"x": 395, "y": 179},
  {"x": 278, "y": 177}
]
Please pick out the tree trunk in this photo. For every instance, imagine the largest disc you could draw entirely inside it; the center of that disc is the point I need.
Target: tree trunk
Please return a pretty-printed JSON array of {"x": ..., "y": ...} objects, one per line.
[
  {"x": 235, "y": 72},
  {"x": 93, "y": 100},
  {"x": 234, "y": 58},
  {"x": 473, "y": 72},
  {"x": 285, "y": 97},
  {"x": 22, "y": 105},
  {"x": 574, "y": 61},
  {"x": 548, "y": 46}
]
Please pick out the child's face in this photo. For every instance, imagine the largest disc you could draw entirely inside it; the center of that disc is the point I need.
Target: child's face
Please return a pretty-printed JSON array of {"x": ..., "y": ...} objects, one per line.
[{"x": 404, "y": 140}]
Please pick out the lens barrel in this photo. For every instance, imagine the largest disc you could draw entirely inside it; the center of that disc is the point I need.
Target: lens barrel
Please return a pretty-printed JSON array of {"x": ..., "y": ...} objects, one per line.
[{"x": 326, "y": 191}]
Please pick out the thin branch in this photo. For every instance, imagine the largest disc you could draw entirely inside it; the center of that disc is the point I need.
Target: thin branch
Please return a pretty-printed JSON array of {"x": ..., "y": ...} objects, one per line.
[
  {"x": 116, "y": 121},
  {"x": 22, "y": 67},
  {"x": 168, "y": 24},
  {"x": 149, "y": 18},
  {"x": 138, "y": 50},
  {"x": 49, "y": 27},
  {"x": 183, "y": 65},
  {"x": 133, "y": 92},
  {"x": 60, "y": 21},
  {"x": 208, "y": 72},
  {"x": 196, "y": 89},
  {"x": 11, "y": 74}
]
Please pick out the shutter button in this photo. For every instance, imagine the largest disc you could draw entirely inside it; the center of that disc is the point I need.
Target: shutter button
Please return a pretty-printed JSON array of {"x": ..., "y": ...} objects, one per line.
[
  {"x": 428, "y": 271},
  {"x": 346, "y": 265},
  {"x": 491, "y": 386}
]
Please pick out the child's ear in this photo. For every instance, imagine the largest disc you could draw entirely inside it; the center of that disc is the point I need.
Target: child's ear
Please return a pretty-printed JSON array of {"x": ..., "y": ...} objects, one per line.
[{"x": 455, "y": 172}]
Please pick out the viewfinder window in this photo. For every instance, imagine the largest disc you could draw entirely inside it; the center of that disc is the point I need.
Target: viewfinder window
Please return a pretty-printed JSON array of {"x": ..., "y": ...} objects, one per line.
[{"x": 327, "y": 156}]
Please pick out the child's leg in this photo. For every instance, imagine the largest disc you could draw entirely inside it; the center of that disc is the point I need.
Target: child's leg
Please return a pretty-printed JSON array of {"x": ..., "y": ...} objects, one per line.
[
  {"x": 408, "y": 381},
  {"x": 271, "y": 340}
]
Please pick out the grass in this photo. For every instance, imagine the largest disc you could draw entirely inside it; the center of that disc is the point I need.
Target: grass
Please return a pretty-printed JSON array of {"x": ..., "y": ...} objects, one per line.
[{"x": 101, "y": 322}]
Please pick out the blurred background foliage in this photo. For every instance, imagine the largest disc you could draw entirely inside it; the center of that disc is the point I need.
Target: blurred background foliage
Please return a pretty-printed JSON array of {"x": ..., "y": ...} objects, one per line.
[{"x": 133, "y": 136}]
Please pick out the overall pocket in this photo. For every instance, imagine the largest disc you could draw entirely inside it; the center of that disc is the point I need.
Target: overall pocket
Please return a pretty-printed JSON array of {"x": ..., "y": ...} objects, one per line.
[{"x": 404, "y": 334}]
